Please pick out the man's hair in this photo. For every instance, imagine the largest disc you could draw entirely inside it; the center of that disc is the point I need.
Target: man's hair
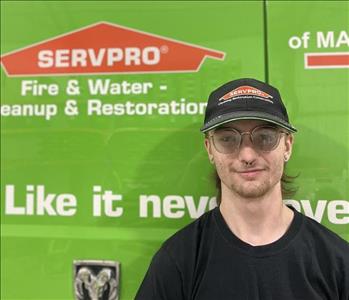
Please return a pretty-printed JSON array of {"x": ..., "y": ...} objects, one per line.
[{"x": 288, "y": 189}]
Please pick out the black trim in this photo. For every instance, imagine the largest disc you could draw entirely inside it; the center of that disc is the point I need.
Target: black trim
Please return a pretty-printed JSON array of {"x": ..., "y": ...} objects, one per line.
[
  {"x": 266, "y": 54},
  {"x": 248, "y": 115}
]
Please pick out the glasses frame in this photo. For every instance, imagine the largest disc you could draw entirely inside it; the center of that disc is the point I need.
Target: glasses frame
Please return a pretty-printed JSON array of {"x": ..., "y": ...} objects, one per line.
[{"x": 250, "y": 133}]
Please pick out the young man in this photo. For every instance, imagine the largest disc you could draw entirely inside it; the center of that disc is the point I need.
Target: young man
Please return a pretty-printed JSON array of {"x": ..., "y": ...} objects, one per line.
[{"x": 252, "y": 246}]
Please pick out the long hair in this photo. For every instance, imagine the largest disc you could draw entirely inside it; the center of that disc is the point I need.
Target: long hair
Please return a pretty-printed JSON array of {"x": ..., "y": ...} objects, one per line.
[{"x": 288, "y": 189}]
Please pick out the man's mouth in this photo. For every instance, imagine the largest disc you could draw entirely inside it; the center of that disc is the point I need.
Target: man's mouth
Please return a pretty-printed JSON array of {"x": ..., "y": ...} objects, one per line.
[{"x": 251, "y": 173}]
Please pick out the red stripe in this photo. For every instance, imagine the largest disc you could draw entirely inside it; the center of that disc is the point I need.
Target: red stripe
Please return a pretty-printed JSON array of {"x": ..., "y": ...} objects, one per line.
[{"x": 328, "y": 60}]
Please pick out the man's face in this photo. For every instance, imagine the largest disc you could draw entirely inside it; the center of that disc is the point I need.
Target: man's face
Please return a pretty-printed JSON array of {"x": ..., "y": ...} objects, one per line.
[{"x": 249, "y": 172}]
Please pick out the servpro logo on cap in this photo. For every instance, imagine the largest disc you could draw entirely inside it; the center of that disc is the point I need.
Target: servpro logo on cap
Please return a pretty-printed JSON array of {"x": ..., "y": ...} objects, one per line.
[
  {"x": 106, "y": 48},
  {"x": 245, "y": 92}
]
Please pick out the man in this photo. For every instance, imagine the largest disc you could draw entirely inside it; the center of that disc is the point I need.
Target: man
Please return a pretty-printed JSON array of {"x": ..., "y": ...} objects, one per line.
[{"x": 252, "y": 246}]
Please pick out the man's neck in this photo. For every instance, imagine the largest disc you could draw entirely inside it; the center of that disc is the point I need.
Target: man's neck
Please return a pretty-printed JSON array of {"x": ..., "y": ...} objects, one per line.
[{"x": 256, "y": 221}]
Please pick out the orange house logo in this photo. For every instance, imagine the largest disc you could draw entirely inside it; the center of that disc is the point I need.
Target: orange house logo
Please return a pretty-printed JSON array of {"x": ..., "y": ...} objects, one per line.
[
  {"x": 245, "y": 90},
  {"x": 105, "y": 48}
]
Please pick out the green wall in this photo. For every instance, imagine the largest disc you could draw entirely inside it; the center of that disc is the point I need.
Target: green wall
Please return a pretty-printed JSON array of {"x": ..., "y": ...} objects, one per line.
[{"x": 151, "y": 166}]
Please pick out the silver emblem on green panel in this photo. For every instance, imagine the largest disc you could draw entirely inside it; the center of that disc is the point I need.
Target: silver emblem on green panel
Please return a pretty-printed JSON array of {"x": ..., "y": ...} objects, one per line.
[{"x": 96, "y": 280}]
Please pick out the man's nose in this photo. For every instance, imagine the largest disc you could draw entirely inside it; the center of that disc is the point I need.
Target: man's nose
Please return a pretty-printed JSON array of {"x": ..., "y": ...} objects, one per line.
[{"x": 247, "y": 152}]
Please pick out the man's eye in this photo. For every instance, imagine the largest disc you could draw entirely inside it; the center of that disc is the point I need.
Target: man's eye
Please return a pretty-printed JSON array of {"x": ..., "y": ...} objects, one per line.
[
  {"x": 225, "y": 139},
  {"x": 228, "y": 138},
  {"x": 265, "y": 138}
]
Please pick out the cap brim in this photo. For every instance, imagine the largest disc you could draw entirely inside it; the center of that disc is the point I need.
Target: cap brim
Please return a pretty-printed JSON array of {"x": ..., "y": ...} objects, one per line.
[{"x": 246, "y": 115}]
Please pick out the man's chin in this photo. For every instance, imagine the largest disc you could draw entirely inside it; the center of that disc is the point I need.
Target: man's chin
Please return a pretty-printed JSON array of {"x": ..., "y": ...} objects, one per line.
[{"x": 251, "y": 190}]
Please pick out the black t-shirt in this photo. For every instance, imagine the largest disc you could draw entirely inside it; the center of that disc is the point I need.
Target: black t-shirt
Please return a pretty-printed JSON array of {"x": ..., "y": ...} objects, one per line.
[{"x": 205, "y": 260}]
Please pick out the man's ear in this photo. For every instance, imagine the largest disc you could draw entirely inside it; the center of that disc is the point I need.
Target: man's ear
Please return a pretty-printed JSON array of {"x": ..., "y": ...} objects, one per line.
[
  {"x": 208, "y": 147},
  {"x": 289, "y": 139}
]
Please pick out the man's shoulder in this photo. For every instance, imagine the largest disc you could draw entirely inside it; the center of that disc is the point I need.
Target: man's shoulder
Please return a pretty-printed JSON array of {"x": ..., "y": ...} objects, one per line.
[
  {"x": 192, "y": 235},
  {"x": 325, "y": 239}
]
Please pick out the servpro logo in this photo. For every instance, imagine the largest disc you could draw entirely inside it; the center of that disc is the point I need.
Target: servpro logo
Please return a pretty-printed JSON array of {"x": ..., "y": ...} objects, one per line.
[
  {"x": 105, "y": 48},
  {"x": 245, "y": 90},
  {"x": 109, "y": 57}
]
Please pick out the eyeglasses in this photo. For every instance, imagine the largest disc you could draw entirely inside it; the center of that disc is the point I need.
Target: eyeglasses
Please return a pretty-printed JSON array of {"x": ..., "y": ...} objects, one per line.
[{"x": 264, "y": 138}]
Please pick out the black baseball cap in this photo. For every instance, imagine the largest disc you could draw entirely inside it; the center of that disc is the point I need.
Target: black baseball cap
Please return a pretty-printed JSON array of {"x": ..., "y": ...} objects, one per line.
[{"x": 242, "y": 99}]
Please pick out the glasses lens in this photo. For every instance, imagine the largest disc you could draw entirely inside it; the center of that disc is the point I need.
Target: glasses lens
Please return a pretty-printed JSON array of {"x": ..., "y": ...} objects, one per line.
[
  {"x": 226, "y": 141},
  {"x": 265, "y": 138}
]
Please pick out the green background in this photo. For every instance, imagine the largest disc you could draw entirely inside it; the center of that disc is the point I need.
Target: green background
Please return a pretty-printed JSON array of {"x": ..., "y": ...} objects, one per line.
[{"x": 155, "y": 155}]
